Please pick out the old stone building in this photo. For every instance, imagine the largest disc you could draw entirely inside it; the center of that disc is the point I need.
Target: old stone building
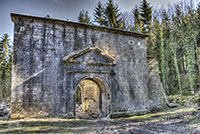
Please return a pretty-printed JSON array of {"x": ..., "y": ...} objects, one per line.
[{"x": 67, "y": 68}]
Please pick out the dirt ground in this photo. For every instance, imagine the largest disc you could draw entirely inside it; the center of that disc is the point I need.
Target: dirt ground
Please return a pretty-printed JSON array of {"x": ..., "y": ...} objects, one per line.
[{"x": 173, "y": 121}]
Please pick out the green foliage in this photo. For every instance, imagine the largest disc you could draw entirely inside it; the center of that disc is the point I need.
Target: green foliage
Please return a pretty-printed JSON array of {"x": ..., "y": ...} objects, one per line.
[
  {"x": 4, "y": 49},
  {"x": 162, "y": 57},
  {"x": 5, "y": 67},
  {"x": 185, "y": 100},
  {"x": 113, "y": 15},
  {"x": 84, "y": 17},
  {"x": 179, "y": 99},
  {"x": 194, "y": 100},
  {"x": 137, "y": 22},
  {"x": 146, "y": 16},
  {"x": 99, "y": 15}
]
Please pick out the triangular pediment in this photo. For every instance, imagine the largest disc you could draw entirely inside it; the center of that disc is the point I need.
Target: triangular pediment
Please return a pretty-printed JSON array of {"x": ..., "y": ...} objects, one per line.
[{"x": 91, "y": 56}]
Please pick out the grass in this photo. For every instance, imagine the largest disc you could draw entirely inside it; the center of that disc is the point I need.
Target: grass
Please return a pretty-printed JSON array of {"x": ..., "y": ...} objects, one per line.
[
  {"x": 73, "y": 126},
  {"x": 162, "y": 115},
  {"x": 43, "y": 125}
]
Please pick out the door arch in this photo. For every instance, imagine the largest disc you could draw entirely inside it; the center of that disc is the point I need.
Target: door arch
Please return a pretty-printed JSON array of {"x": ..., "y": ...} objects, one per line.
[{"x": 94, "y": 91}]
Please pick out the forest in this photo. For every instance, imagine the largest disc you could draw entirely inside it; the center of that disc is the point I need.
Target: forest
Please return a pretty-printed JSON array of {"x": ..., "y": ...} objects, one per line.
[{"x": 174, "y": 41}]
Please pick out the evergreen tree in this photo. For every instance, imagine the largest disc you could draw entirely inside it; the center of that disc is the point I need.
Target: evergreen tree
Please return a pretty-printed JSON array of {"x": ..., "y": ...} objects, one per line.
[
  {"x": 87, "y": 18},
  {"x": 162, "y": 57},
  {"x": 5, "y": 66},
  {"x": 137, "y": 21},
  {"x": 167, "y": 53},
  {"x": 99, "y": 16},
  {"x": 189, "y": 41},
  {"x": 197, "y": 21},
  {"x": 113, "y": 15},
  {"x": 197, "y": 43},
  {"x": 146, "y": 16},
  {"x": 5, "y": 49},
  {"x": 84, "y": 17},
  {"x": 174, "y": 58},
  {"x": 176, "y": 45},
  {"x": 81, "y": 17},
  {"x": 154, "y": 48}
]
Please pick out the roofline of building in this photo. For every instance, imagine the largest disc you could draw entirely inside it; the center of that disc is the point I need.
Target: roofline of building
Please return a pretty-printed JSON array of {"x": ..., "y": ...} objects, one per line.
[{"x": 15, "y": 16}]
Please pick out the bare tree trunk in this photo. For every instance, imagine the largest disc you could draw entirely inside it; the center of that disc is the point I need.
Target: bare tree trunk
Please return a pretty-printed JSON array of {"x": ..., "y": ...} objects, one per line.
[
  {"x": 178, "y": 74},
  {"x": 197, "y": 58}
]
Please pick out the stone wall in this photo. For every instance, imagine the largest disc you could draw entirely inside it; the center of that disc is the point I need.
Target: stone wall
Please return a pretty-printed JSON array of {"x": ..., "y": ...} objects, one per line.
[
  {"x": 157, "y": 96},
  {"x": 41, "y": 85}
]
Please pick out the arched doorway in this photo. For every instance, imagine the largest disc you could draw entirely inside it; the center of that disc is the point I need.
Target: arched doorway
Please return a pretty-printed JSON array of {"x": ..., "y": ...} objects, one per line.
[
  {"x": 91, "y": 99},
  {"x": 94, "y": 65}
]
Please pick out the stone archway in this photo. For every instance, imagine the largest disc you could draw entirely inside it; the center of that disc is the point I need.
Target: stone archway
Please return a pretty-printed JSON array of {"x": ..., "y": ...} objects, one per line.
[
  {"x": 91, "y": 99},
  {"x": 91, "y": 64}
]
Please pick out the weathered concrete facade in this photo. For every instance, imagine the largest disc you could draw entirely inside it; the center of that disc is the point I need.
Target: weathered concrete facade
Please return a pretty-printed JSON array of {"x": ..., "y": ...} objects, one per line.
[{"x": 51, "y": 58}]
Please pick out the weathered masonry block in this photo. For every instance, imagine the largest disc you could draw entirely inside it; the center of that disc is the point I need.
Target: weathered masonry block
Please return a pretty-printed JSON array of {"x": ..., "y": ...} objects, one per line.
[{"x": 52, "y": 57}]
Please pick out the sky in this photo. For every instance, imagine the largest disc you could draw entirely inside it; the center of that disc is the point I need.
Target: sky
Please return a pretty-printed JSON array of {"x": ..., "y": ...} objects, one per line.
[{"x": 59, "y": 9}]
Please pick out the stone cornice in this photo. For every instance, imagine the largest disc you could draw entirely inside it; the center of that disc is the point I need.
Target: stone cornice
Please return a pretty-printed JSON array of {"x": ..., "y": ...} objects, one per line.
[{"x": 15, "y": 16}]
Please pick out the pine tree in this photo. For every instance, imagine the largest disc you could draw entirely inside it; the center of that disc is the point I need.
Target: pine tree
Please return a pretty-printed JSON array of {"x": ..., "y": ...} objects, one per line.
[
  {"x": 189, "y": 41},
  {"x": 197, "y": 43},
  {"x": 99, "y": 16},
  {"x": 137, "y": 21},
  {"x": 81, "y": 17},
  {"x": 162, "y": 58},
  {"x": 176, "y": 44},
  {"x": 5, "y": 49},
  {"x": 87, "y": 18},
  {"x": 174, "y": 58},
  {"x": 113, "y": 15},
  {"x": 185, "y": 39},
  {"x": 146, "y": 16},
  {"x": 84, "y": 17},
  {"x": 197, "y": 21},
  {"x": 5, "y": 66},
  {"x": 154, "y": 48},
  {"x": 167, "y": 54}
]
